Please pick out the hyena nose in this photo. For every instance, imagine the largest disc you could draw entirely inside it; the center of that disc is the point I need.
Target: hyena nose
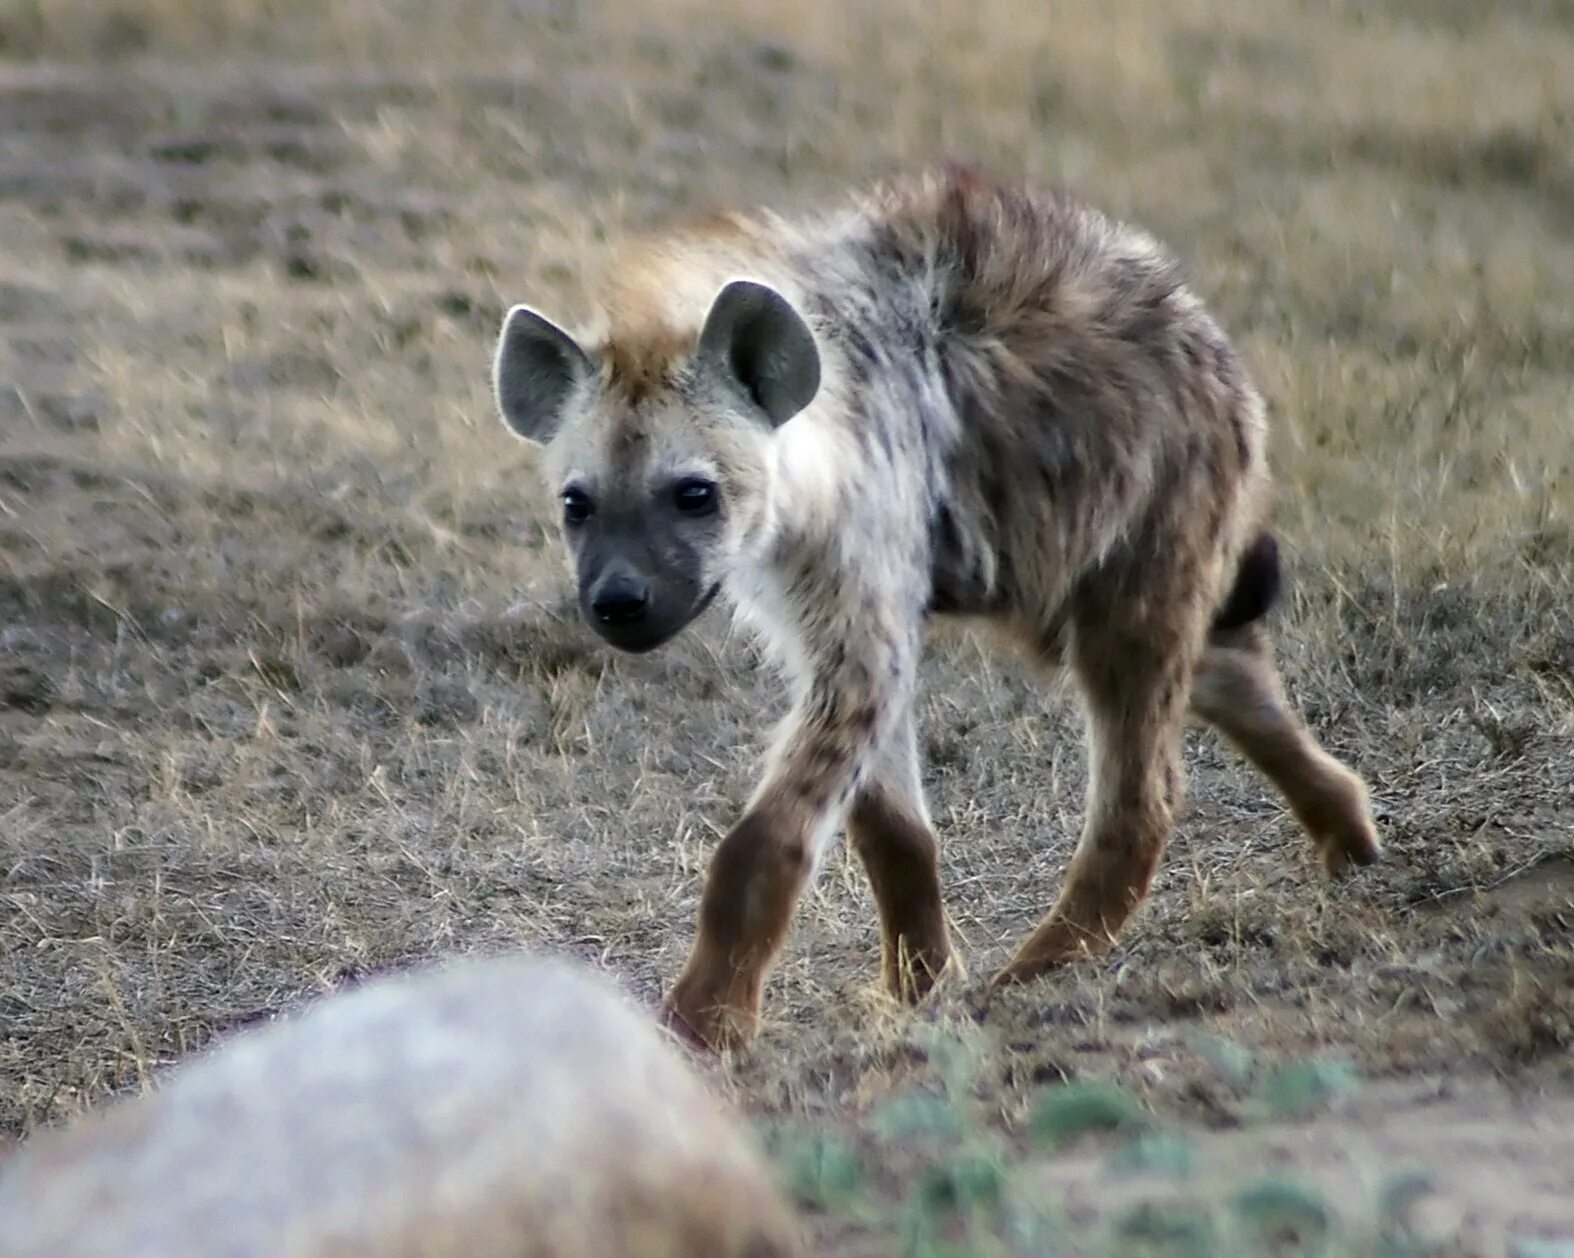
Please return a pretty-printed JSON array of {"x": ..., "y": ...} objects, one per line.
[{"x": 620, "y": 600}]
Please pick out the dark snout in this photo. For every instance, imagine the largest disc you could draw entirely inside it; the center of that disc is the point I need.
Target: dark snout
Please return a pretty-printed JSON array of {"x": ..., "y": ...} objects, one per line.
[
  {"x": 633, "y": 614},
  {"x": 639, "y": 583},
  {"x": 619, "y": 600},
  {"x": 618, "y": 605}
]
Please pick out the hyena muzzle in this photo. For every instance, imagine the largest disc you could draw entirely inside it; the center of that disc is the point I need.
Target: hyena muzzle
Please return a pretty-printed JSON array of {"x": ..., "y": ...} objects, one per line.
[{"x": 947, "y": 398}]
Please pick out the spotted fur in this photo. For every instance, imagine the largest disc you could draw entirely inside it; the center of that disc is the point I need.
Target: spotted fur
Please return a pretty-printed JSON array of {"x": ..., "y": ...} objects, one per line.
[{"x": 1023, "y": 416}]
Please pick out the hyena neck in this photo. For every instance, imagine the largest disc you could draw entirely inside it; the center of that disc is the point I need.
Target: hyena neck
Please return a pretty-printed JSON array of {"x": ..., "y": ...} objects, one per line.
[{"x": 852, "y": 479}]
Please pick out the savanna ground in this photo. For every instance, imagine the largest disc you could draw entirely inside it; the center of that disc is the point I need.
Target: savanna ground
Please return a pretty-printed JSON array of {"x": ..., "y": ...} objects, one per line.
[{"x": 292, "y": 689}]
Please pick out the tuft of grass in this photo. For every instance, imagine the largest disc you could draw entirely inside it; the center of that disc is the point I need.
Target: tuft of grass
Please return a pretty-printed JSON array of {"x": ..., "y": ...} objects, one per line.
[
  {"x": 822, "y": 1171},
  {"x": 1064, "y": 1115},
  {"x": 918, "y": 1117},
  {"x": 1283, "y": 1216},
  {"x": 1297, "y": 1088},
  {"x": 1154, "y": 1230},
  {"x": 1154, "y": 1152},
  {"x": 940, "y": 1172},
  {"x": 1236, "y": 1065},
  {"x": 968, "y": 1186}
]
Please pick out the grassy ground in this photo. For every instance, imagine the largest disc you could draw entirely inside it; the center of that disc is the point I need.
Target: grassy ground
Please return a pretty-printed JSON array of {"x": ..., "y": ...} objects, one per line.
[{"x": 291, "y": 689}]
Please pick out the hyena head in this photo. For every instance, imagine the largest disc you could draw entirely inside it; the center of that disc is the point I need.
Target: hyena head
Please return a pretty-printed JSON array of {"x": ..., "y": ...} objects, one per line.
[{"x": 659, "y": 446}]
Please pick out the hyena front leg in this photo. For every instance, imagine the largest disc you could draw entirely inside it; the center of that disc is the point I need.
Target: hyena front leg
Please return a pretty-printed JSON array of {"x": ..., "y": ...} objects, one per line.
[
  {"x": 1238, "y": 691},
  {"x": 859, "y": 688},
  {"x": 889, "y": 828},
  {"x": 1135, "y": 694}
]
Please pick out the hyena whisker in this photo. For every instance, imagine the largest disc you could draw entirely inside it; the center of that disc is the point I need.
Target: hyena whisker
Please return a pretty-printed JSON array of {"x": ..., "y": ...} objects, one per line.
[{"x": 948, "y": 398}]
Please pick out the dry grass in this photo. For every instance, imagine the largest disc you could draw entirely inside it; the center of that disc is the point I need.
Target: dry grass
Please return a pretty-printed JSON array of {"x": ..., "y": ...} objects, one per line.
[{"x": 289, "y": 687}]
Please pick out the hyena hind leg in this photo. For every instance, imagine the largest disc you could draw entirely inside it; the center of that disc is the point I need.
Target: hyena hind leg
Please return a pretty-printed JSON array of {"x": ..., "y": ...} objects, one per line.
[
  {"x": 1238, "y": 691},
  {"x": 889, "y": 828},
  {"x": 1135, "y": 695}
]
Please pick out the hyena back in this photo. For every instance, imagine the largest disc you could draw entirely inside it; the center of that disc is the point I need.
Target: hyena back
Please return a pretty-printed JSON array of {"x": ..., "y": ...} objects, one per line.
[{"x": 949, "y": 398}]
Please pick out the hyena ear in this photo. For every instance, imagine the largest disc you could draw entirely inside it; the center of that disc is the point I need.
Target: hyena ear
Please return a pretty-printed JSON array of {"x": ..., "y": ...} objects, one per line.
[
  {"x": 762, "y": 346},
  {"x": 535, "y": 374}
]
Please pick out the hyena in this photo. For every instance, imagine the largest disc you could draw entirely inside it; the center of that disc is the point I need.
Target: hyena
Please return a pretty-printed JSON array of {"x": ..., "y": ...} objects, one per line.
[
  {"x": 510, "y": 1107},
  {"x": 944, "y": 398}
]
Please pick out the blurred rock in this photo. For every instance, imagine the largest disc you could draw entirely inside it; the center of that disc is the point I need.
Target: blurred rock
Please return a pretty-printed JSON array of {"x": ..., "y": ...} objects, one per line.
[{"x": 500, "y": 1107}]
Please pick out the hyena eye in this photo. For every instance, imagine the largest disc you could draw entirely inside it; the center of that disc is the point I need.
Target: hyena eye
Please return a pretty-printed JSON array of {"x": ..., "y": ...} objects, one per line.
[
  {"x": 576, "y": 506},
  {"x": 694, "y": 496}
]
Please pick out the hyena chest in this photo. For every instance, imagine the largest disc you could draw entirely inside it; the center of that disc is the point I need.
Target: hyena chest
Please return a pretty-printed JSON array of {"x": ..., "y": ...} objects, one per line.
[{"x": 761, "y": 595}]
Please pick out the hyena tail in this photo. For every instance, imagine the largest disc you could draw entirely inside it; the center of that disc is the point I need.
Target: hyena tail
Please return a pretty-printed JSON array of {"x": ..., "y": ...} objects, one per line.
[{"x": 1258, "y": 581}]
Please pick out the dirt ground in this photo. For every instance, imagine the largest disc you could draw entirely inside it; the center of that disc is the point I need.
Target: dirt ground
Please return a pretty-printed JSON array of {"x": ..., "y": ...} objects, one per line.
[{"x": 291, "y": 685}]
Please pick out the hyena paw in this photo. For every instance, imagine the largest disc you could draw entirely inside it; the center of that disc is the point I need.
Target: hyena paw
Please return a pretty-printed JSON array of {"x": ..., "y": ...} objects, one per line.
[
  {"x": 1344, "y": 852},
  {"x": 1344, "y": 831},
  {"x": 910, "y": 978},
  {"x": 708, "y": 1020},
  {"x": 1025, "y": 969},
  {"x": 1056, "y": 943}
]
